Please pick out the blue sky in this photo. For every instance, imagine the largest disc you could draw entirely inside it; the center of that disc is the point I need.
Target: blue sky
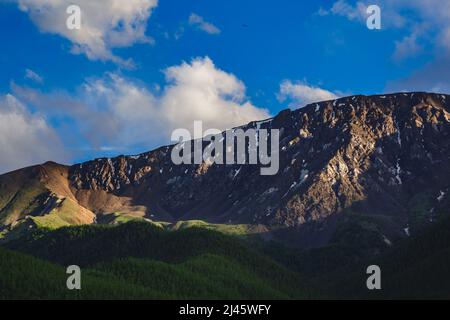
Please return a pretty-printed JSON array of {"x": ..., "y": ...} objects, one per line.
[{"x": 124, "y": 90}]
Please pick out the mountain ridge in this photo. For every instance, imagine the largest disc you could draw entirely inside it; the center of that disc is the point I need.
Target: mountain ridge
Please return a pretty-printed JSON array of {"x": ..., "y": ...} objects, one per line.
[{"x": 380, "y": 155}]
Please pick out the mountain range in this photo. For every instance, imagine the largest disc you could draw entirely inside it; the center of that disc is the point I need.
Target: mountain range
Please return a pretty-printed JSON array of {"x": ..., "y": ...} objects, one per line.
[
  {"x": 361, "y": 178},
  {"x": 383, "y": 156}
]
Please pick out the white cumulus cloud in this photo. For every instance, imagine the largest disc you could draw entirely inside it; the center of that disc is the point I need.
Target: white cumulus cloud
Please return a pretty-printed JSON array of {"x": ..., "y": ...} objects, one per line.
[
  {"x": 105, "y": 24},
  {"x": 200, "y": 91},
  {"x": 113, "y": 110},
  {"x": 300, "y": 94},
  {"x": 25, "y": 138}
]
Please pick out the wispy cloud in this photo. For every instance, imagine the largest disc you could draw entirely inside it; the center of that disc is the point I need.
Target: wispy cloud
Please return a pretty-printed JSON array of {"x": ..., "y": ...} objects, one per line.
[
  {"x": 30, "y": 74},
  {"x": 200, "y": 23},
  {"x": 408, "y": 47},
  {"x": 420, "y": 19},
  {"x": 357, "y": 11},
  {"x": 345, "y": 9},
  {"x": 424, "y": 26}
]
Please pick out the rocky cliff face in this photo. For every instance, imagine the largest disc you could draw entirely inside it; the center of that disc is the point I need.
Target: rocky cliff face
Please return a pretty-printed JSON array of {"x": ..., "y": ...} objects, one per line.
[
  {"x": 373, "y": 153},
  {"x": 385, "y": 156}
]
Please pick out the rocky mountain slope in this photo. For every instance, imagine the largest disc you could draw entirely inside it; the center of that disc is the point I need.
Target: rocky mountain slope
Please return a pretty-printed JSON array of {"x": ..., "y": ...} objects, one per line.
[{"x": 384, "y": 156}]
